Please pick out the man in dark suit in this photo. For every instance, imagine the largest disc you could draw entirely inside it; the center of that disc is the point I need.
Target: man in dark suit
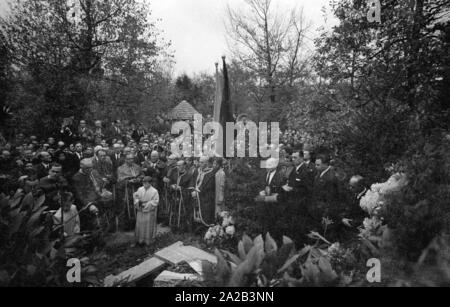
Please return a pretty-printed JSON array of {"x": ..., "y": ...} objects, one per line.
[
  {"x": 43, "y": 168},
  {"x": 144, "y": 154},
  {"x": 117, "y": 157},
  {"x": 325, "y": 184},
  {"x": 275, "y": 183},
  {"x": 301, "y": 179},
  {"x": 138, "y": 133},
  {"x": 307, "y": 157}
]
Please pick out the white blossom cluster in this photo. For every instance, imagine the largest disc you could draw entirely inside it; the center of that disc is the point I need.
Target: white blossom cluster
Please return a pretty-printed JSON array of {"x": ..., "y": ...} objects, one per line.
[
  {"x": 375, "y": 198},
  {"x": 221, "y": 231}
]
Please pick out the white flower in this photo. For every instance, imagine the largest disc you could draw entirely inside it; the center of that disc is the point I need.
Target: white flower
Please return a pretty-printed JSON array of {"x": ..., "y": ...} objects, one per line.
[
  {"x": 221, "y": 232},
  {"x": 208, "y": 235},
  {"x": 227, "y": 221},
  {"x": 224, "y": 214},
  {"x": 335, "y": 247},
  {"x": 370, "y": 201},
  {"x": 230, "y": 230},
  {"x": 231, "y": 220}
]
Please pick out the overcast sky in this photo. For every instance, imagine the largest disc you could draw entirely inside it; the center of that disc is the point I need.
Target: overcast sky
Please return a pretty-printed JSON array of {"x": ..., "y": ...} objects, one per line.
[{"x": 196, "y": 28}]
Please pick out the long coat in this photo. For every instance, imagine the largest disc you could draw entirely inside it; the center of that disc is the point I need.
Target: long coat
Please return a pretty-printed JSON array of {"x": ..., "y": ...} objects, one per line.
[
  {"x": 146, "y": 202},
  {"x": 207, "y": 194}
]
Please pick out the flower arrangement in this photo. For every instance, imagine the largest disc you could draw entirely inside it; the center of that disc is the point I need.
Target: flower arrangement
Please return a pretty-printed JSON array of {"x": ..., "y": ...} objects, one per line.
[
  {"x": 375, "y": 199},
  {"x": 373, "y": 202},
  {"x": 225, "y": 229}
]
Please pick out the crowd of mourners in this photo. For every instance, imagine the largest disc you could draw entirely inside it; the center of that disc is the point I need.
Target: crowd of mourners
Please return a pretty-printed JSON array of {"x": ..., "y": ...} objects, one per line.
[
  {"x": 127, "y": 175},
  {"x": 122, "y": 173}
]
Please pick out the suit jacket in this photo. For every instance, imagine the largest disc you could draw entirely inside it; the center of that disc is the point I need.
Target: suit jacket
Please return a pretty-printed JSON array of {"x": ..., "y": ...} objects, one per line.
[
  {"x": 42, "y": 171},
  {"x": 302, "y": 181},
  {"x": 77, "y": 159},
  {"x": 278, "y": 180},
  {"x": 155, "y": 170},
  {"x": 326, "y": 186},
  {"x": 137, "y": 135},
  {"x": 116, "y": 162},
  {"x": 142, "y": 157}
]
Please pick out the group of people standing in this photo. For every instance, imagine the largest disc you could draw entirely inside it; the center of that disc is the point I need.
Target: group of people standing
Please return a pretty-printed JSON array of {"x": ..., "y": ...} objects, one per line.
[
  {"x": 122, "y": 174},
  {"x": 129, "y": 176}
]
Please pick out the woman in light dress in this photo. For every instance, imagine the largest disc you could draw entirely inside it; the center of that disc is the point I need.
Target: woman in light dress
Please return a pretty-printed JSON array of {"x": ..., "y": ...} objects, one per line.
[{"x": 146, "y": 201}]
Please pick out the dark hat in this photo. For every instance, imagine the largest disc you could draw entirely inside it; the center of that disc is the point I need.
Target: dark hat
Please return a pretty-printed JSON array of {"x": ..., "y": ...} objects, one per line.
[{"x": 147, "y": 179}]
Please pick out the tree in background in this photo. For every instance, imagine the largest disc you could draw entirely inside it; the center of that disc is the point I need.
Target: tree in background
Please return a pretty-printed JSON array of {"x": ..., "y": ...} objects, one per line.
[
  {"x": 380, "y": 103},
  {"x": 80, "y": 56},
  {"x": 269, "y": 44},
  {"x": 378, "y": 85}
]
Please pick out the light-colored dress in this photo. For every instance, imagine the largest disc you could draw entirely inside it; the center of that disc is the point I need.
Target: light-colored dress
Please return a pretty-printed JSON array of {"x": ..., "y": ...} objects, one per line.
[{"x": 146, "y": 203}]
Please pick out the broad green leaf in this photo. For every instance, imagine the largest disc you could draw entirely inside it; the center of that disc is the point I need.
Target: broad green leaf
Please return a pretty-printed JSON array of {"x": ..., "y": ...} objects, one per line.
[
  {"x": 288, "y": 263},
  {"x": 259, "y": 242},
  {"x": 287, "y": 240},
  {"x": 38, "y": 202},
  {"x": 223, "y": 269},
  {"x": 72, "y": 240},
  {"x": 35, "y": 218},
  {"x": 317, "y": 236},
  {"x": 270, "y": 245},
  {"x": 241, "y": 250},
  {"x": 27, "y": 202},
  {"x": 311, "y": 272},
  {"x": 235, "y": 259},
  {"x": 328, "y": 274},
  {"x": 239, "y": 276},
  {"x": 16, "y": 222},
  {"x": 248, "y": 243},
  {"x": 36, "y": 232}
]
